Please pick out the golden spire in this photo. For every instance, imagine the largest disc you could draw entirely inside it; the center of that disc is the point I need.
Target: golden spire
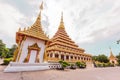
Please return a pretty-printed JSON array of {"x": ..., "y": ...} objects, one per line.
[
  {"x": 36, "y": 29},
  {"x": 39, "y": 15},
  {"x": 111, "y": 54},
  {"x": 61, "y": 26},
  {"x": 41, "y": 6},
  {"x": 62, "y": 17}
]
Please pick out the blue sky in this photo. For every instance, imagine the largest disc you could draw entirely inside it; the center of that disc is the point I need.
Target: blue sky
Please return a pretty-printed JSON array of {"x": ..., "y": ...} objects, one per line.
[{"x": 93, "y": 24}]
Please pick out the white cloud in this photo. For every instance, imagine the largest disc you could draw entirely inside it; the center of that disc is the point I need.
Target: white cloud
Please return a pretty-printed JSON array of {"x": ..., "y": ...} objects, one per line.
[
  {"x": 9, "y": 22},
  {"x": 86, "y": 21}
]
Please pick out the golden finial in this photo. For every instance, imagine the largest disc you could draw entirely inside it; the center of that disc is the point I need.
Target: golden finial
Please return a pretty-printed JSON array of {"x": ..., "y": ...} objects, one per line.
[
  {"x": 41, "y": 6},
  {"x": 39, "y": 16},
  {"x": 61, "y": 22},
  {"x": 61, "y": 17},
  {"x": 110, "y": 51}
]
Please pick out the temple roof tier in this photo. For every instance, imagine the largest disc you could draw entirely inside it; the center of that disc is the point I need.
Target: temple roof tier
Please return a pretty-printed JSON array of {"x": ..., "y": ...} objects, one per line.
[
  {"x": 65, "y": 50},
  {"x": 62, "y": 44},
  {"x": 35, "y": 30}
]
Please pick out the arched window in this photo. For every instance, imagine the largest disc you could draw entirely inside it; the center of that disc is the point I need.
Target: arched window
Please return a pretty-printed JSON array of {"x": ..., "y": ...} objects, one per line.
[
  {"x": 47, "y": 55},
  {"x": 67, "y": 57},
  {"x": 81, "y": 58},
  {"x": 78, "y": 58},
  {"x": 75, "y": 57},
  {"x": 84, "y": 58},
  {"x": 56, "y": 55},
  {"x": 51, "y": 55},
  {"x": 62, "y": 57},
  {"x": 71, "y": 57}
]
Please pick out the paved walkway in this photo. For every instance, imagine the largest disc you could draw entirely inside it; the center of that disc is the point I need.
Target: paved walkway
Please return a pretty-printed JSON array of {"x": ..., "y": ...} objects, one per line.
[
  {"x": 1, "y": 61},
  {"x": 112, "y": 73}
]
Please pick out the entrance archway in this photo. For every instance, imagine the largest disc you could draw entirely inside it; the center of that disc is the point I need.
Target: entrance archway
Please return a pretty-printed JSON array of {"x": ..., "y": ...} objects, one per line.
[{"x": 33, "y": 54}]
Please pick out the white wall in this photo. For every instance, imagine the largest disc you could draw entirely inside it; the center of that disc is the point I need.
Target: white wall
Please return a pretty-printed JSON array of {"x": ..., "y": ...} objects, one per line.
[{"x": 28, "y": 42}]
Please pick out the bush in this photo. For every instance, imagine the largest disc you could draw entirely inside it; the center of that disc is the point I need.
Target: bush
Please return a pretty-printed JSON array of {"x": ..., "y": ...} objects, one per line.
[
  {"x": 99, "y": 64},
  {"x": 72, "y": 66},
  {"x": 118, "y": 64},
  {"x": 6, "y": 61},
  {"x": 101, "y": 58},
  {"x": 81, "y": 64},
  {"x": 64, "y": 64}
]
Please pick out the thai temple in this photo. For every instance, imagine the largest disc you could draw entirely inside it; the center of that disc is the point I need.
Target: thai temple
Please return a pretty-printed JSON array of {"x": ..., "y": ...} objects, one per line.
[
  {"x": 37, "y": 52},
  {"x": 112, "y": 58},
  {"x": 61, "y": 47}
]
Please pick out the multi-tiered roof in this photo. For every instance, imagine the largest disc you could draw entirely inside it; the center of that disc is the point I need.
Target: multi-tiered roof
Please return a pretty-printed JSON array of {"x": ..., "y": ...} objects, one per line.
[
  {"x": 62, "y": 42},
  {"x": 34, "y": 31}
]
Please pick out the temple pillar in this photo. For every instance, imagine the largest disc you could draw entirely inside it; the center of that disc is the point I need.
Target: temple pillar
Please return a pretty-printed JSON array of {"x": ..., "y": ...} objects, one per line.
[
  {"x": 59, "y": 56},
  {"x": 53, "y": 56},
  {"x": 64, "y": 57},
  {"x": 69, "y": 58},
  {"x": 49, "y": 55}
]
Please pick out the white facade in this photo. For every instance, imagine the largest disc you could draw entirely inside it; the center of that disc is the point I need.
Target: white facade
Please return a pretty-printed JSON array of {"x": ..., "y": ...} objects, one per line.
[{"x": 24, "y": 50}]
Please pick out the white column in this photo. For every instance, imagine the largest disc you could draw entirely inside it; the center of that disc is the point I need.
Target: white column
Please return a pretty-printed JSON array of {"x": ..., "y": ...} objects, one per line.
[
  {"x": 53, "y": 55},
  {"x": 59, "y": 56},
  {"x": 77, "y": 57},
  {"x": 73, "y": 57},
  {"x": 69, "y": 57},
  {"x": 49, "y": 55},
  {"x": 64, "y": 57}
]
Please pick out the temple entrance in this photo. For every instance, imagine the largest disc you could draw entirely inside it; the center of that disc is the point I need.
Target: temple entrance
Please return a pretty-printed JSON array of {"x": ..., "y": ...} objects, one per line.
[
  {"x": 113, "y": 62},
  {"x": 33, "y": 54}
]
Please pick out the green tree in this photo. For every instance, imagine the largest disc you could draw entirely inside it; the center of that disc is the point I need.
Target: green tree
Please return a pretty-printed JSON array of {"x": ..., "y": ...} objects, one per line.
[
  {"x": 11, "y": 50},
  {"x": 118, "y": 57},
  {"x": 3, "y": 50},
  {"x": 95, "y": 58},
  {"x": 101, "y": 58}
]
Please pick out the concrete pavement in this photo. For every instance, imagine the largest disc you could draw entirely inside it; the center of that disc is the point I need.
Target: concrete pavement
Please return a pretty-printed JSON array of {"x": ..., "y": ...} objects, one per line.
[{"x": 111, "y": 73}]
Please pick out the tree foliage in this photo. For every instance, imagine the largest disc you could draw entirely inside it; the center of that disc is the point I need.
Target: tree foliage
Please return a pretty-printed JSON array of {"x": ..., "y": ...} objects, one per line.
[
  {"x": 6, "y": 52},
  {"x": 11, "y": 50},
  {"x": 3, "y": 50},
  {"x": 118, "y": 57},
  {"x": 101, "y": 58}
]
